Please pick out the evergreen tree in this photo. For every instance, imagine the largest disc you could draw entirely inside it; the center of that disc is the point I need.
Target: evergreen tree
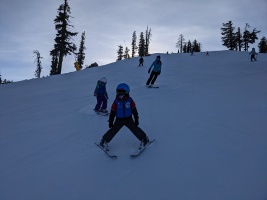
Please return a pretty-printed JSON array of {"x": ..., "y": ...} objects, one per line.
[
  {"x": 126, "y": 53},
  {"x": 4, "y": 81},
  {"x": 180, "y": 42},
  {"x": 200, "y": 47},
  {"x": 54, "y": 64},
  {"x": 81, "y": 54},
  {"x": 246, "y": 37},
  {"x": 147, "y": 41},
  {"x": 63, "y": 46},
  {"x": 195, "y": 46},
  {"x": 263, "y": 45},
  {"x": 141, "y": 47},
  {"x": 253, "y": 36},
  {"x": 249, "y": 37},
  {"x": 39, "y": 64},
  {"x": 238, "y": 40},
  {"x": 185, "y": 48},
  {"x": 120, "y": 52},
  {"x": 189, "y": 47},
  {"x": 134, "y": 47},
  {"x": 228, "y": 38}
]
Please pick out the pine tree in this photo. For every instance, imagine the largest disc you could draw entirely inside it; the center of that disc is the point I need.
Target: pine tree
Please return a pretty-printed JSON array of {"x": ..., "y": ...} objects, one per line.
[
  {"x": 249, "y": 37},
  {"x": 126, "y": 53},
  {"x": 147, "y": 41},
  {"x": 253, "y": 36},
  {"x": 4, "y": 81},
  {"x": 246, "y": 37},
  {"x": 39, "y": 64},
  {"x": 189, "y": 47},
  {"x": 54, "y": 64},
  {"x": 63, "y": 46},
  {"x": 81, "y": 54},
  {"x": 195, "y": 46},
  {"x": 180, "y": 42},
  {"x": 134, "y": 47},
  {"x": 184, "y": 48},
  {"x": 120, "y": 52},
  {"x": 238, "y": 40},
  {"x": 228, "y": 38},
  {"x": 141, "y": 47},
  {"x": 263, "y": 45}
]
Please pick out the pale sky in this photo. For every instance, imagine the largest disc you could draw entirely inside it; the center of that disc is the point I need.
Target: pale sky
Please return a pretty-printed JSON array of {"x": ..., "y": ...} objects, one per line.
[{"x": 29, "y": 25}]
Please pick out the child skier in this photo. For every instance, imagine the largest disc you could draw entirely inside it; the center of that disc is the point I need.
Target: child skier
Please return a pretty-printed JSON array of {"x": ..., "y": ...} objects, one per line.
[
  {"x": 123, "y": 108},
  {"x": 155, "y": 72},
  {"x": 253, "y": 53},
  {"x": 101, "y": 95}
]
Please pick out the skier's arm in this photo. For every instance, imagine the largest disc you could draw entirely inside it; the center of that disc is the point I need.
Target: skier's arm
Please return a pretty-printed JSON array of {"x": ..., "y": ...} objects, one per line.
[
  {"x": 150, "y": 67},
  {"x": 135, "y": 113},
  {"x": 96, "y": 89},
  {"x": 112, "y": 112},
  {"x": 106, "y": 94}
]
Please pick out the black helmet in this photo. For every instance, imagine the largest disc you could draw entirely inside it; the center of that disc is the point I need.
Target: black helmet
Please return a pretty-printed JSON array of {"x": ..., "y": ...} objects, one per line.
[{"x": 158, "y": 57}]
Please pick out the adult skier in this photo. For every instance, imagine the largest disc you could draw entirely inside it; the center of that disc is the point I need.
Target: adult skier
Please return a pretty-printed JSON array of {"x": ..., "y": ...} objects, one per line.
[
  {"x": 141, "y": 61},
  {"x": 123, "y": 108},
  {"x": 101, "y": 95},
  {"x": 252, "y": 55},
  {"x": 155, "y": 72}
]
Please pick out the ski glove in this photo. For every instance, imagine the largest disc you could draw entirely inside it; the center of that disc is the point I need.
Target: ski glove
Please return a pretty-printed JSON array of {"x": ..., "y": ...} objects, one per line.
[
  {"x": 110, "y": 124},
  {"x": 136, "y": 121}
]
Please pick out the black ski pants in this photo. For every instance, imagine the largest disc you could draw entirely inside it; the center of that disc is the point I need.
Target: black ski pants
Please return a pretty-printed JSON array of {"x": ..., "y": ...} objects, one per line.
[
  {"x": 252, "y": 57},
  {"x": 129, "y": 123},
  {"x": 153, "y": 77}
]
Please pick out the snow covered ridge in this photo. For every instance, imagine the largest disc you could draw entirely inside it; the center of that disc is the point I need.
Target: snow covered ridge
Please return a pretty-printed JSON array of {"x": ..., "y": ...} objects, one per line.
[{"x": 208, "y": 118}]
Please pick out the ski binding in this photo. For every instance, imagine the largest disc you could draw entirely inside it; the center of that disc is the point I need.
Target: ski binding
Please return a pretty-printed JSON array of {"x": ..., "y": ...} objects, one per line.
[{"x": 140, "y": 150}]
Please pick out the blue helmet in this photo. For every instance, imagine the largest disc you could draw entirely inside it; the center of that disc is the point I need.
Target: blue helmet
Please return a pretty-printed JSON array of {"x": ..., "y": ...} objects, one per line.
[{"x": 122, "y": 89}]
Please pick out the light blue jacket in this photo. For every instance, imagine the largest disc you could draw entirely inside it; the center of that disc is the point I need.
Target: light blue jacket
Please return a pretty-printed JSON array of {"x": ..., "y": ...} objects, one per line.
[{"x": 157, "y": 65}]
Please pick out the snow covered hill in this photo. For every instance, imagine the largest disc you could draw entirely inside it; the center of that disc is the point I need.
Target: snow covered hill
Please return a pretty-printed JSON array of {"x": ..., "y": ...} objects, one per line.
[{"x": 208, "y": 116}]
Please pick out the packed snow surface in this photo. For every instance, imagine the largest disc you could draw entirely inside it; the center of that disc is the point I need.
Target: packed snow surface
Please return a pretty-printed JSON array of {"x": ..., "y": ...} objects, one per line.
[{"x": 209, "y": 119}]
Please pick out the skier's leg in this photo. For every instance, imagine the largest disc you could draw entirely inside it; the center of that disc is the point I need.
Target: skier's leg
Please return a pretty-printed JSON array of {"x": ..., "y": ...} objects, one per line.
[
  {"x": 138, "y": 132},
  {"x": 155, "y": 78},
  {"x": 107, "y": 137},
  {"x": 150, "y": 78},
  {"x": 99, "y": 102},
  {"x": 104, "y": 103}
]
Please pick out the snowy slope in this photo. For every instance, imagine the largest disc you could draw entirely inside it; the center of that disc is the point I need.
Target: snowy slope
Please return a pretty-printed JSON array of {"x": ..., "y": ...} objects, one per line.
[{"x": 208, "y": 116}]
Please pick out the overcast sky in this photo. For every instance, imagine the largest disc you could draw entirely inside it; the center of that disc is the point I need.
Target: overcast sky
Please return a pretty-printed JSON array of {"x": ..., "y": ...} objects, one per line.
[{"x": 29, "y": 25}]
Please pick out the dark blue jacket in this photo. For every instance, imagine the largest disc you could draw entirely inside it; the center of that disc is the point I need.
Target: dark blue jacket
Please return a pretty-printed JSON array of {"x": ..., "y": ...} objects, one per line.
[{"x": 100, "y": 89}]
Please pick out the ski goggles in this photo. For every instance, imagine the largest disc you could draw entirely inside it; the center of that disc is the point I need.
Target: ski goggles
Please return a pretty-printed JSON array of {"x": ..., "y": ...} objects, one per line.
[{"x": 121, "y": 92}]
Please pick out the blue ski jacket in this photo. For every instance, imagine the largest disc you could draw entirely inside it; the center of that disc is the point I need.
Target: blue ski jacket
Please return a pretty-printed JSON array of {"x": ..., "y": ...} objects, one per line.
[
  {"x": 100, "y": 89},
  {"x": 123, "y": 108},
  {"x": 157, "y": 65}
]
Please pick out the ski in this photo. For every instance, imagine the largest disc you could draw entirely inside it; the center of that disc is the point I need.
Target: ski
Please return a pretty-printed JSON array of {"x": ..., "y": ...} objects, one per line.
[
  {"x": 110, "y": 154},
  {"x": 101, "y": 113},
  {"x": 139, "y": 151},
  {"x": 152, "y": 86}
]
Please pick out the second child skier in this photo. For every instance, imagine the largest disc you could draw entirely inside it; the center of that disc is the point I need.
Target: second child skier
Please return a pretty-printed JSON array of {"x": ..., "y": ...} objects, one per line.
[{"x": 101, "y": 96}]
